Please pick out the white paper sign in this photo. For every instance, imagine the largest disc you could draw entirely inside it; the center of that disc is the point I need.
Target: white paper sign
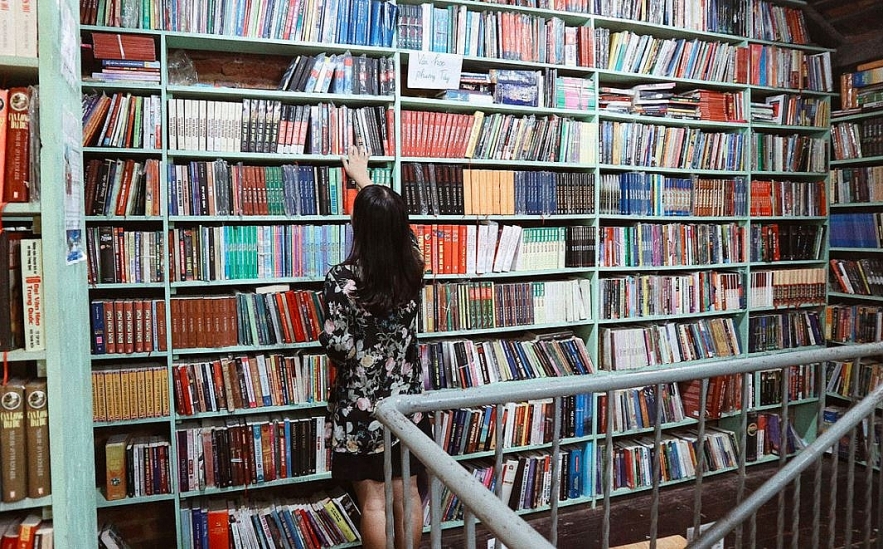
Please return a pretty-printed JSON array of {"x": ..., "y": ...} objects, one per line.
[{"x": 434, "y": 71}]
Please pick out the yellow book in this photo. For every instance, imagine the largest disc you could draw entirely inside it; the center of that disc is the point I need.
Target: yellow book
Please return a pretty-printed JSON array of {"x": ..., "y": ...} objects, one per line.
[{"x": 477, "y": 120}]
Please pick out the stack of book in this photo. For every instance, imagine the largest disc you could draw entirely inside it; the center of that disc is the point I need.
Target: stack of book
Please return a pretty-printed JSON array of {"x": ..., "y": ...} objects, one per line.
[
  {"x": 125, "y": 58},
  {"x": 863, "y": 89}
]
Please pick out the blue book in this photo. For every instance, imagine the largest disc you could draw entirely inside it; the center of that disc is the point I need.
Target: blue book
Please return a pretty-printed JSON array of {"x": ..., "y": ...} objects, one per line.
[
  {"x": 343, "y": 21},
  {"x": 374, "y": 23},
  {"x": 575, "y": 473},
  {"x": 98, "y": 329}
]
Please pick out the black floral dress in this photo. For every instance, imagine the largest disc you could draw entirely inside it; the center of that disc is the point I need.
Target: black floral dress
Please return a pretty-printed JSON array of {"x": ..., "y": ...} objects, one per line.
[{"x": 375, "y": 357}]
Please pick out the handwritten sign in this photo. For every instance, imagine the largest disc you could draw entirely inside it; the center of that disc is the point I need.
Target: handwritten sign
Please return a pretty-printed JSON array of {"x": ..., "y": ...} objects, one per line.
[{"x": 434, "y": 71}]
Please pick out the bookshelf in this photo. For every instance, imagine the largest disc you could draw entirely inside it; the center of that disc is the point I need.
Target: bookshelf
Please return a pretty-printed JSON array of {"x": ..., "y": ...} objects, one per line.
[
  {"x": 587, "y": 181},
  {"x": 65, "y": 355}
]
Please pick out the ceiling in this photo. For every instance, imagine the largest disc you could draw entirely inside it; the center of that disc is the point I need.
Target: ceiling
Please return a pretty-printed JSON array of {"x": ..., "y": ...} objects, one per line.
[{"x": 854, "y": 27}]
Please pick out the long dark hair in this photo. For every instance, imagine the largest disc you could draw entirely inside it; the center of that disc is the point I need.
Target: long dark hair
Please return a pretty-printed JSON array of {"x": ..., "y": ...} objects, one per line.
[{"x": 391, "y": 268}]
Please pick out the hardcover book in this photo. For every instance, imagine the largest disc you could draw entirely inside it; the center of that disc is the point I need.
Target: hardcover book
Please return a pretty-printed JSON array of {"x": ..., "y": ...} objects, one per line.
[
  {"x": 12, "y": 441},
  {"x": 37, "y": 435}
]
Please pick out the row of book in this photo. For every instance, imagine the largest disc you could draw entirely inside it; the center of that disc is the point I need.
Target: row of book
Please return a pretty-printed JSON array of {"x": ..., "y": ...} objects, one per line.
[
  {"x": 116, "y": 255},
  {"x": 784, "y": 242},
  {"x": 273, "y": 315},
  {"x": 221, "y": 188},
  {"x": 853, "y": 378},
  {"x": 470, "y": 363},
  {"x": 21, "y": 291},
  {"x": 661, "y": 99},
  {"x": 642, "y": 193},
  {"x": 122, "y": 120},
  {"x": 254, "y": 252},
  {"x": 324, "y": 520},
  {"x": 857, "y": 185},
  {"x": 862, "y": 89},
  {"x": 772, "y": 436},
  {"x": 18, "y": 27},
  {"x": 672, "y": 244},
  {"x": 122, "y": 187},
  {"x": 467, "y": 431},
  {"x": 858, "y": 277},
  {"x": 695, "y": 59},
  {"x": 30, "y": 530},
  {"x": 497, "y": 136},
  {"x": 723, "y": 396},
  {"x": 487, "y": 247},
  {"x": 856, "y": 230},
  {"x": 623, "y": 348},
  {"x": 471, "y": 31},
  {"x": 636, "y": 144},
  {"x": 853, "y": 323},
  {"x": 802, "y": 383},
  {"x": 246, "y": 382},
  {"x": 358, "y": 22},
  {"x": 125, "y": 326},
  {"x": 133, "y": 392},
  {"x": 137, "y": 466},
  {"x": 635, "y": 409},
  {"x": 866, "y": 437},
  {"x": 478, "y": 305},
  {"x": 441, "y": 189},
  {"x": 342, "y": 74},
  {"x": 787, "y": 198},
  {"x": 778, "y": 23},
  {"x": 784, "y": 67},
  {"x": 269, "y": 126},
  {"x": 789, "y": 153},
  {"x": 678, "y": 453},
  {"x": 238, "y": 452},
  {"x": 24, "y": 440},
  {"x": 20, "y": 143},
  {"x": 719, "y": 16},
  {"x": 786, "y": 287},
  {"x": 784, "y": 330},
  {"x": 792, "y": 110},
  {"x": 648, "y": 295},
  {"x": 523, "y": 88}
]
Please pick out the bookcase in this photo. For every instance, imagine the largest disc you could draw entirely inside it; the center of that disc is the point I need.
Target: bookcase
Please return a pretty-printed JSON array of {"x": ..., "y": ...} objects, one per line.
[
  {"x": 856, "y": 170},
  {"x": 662, "y": 177},
  {"x": 61, "y": 359}
]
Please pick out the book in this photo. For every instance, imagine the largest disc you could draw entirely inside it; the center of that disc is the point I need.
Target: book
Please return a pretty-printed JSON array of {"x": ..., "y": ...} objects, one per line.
[
  {"x": 115, "y": 486},
  {"x": 11, "y": 318},
  {"x": 18, "y": 148},
  {"x": 27, "y": 531},
  {"x": 37, "y": 436},
  {"x": 13, "y": 446},
  {"x": 32, "y": 294}
]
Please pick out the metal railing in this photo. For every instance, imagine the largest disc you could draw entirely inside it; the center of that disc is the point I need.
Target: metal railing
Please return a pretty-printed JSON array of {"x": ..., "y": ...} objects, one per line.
[{"x": 508, "y": 527}]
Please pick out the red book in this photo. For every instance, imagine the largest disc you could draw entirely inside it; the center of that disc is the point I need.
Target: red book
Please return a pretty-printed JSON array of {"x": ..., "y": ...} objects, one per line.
[
  {"x": 218, "y": 527},
  {"x": 297, "y": 322},
  {"x": 4, "y": 115},
  {"x": 18, "y": 131}
]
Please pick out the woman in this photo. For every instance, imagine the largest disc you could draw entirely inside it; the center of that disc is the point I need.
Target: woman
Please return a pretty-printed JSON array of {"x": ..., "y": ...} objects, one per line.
[{"x": 371, "y": 302}]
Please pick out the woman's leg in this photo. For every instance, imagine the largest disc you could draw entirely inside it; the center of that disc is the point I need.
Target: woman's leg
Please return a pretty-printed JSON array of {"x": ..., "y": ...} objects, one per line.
[
  {"x": 416, "y": 513},
  {"x": 372, "y": 503}
]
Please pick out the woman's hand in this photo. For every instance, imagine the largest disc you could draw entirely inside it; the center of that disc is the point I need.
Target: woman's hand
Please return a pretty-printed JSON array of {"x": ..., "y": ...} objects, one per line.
[{"x": 356, "y": 166}]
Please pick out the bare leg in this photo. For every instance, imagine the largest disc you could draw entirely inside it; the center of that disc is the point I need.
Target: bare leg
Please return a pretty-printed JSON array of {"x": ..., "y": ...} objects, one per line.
[
  {"x": 416, "y": 513},
  {"x": 373, "y": 507},
  {"x": 370, "y": 494}
]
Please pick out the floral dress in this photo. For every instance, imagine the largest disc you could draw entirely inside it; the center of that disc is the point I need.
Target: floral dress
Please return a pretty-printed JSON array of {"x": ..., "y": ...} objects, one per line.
[{"x": 375, "y": 357}]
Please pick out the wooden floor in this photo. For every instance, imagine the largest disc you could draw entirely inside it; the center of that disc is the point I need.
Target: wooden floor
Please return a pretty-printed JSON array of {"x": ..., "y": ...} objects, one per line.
[{"x": 581, "y": 527}]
